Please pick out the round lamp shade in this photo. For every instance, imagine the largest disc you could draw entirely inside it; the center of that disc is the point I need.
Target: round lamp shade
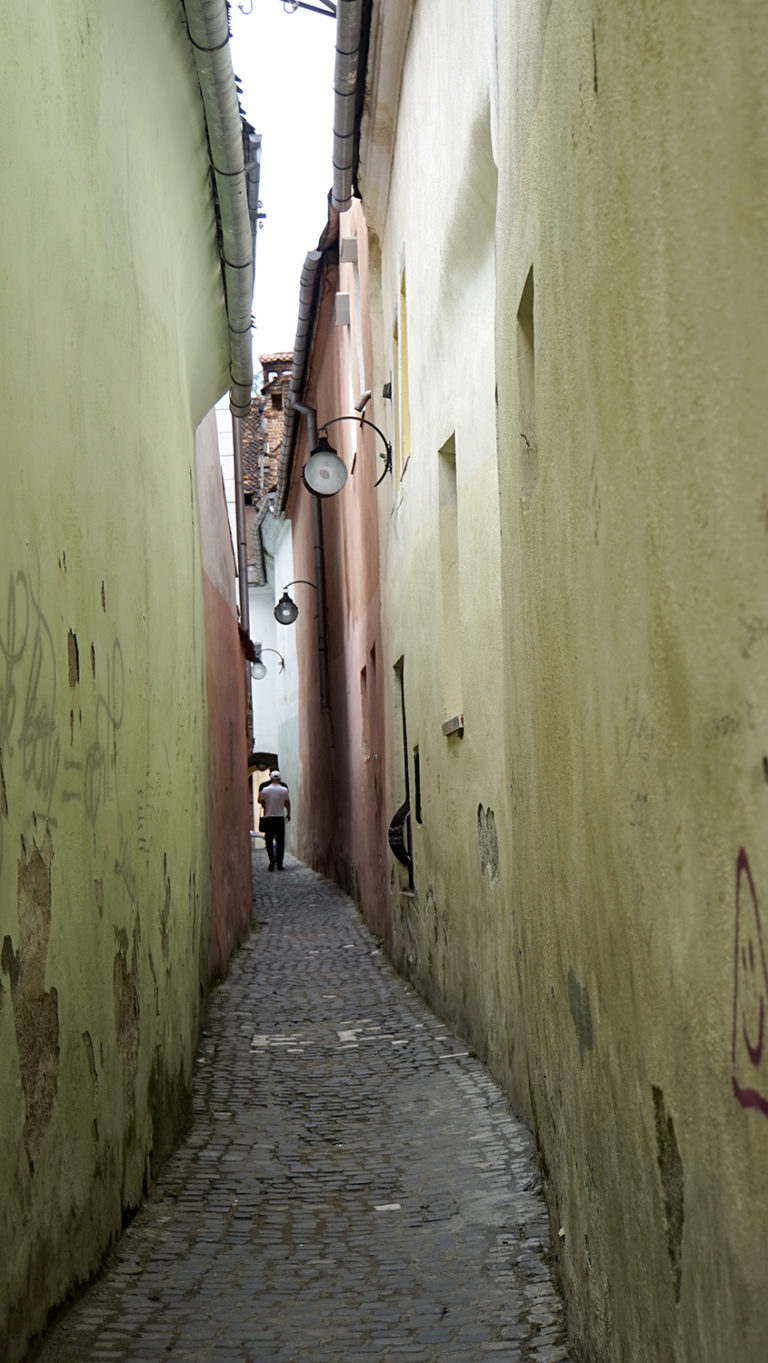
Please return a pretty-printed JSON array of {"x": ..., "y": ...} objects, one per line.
[
  {"x": 324, "y": 473},
  {"x": 258, "y": 669},
  {"x": 286, "y": 610}
]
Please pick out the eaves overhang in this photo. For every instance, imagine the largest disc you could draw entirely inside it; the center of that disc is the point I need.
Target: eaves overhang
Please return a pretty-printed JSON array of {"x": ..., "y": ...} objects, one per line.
[
  {"x": 234, "y": 151},
  {"x": 389, "y": 27}
]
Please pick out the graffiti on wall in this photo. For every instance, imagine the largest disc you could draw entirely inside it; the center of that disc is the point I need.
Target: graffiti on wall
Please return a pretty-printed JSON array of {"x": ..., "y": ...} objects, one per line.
[
  {"x": 35, "y": 1008},
  {"x": 750, "y": 995},
  {"x": 28, "y": 691},
  {"x": 30, "y": 737},
  {"x": 110, "y": 706}
]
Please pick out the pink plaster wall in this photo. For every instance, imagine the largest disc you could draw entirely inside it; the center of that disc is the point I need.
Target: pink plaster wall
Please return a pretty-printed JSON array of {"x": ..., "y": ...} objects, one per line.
[
  {"x": 343, "y": 820},
  {"x": 230, "y": 842},
  {"x": 231, "y": 889}
]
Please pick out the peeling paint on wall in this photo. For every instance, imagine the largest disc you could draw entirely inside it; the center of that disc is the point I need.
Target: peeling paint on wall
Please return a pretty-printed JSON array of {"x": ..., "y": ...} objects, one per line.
[
  {"x": 36, "y": 1011},
  {"x": 3, "y": 806},
  {"x": 88, "y": 1043},
  {"x": 165, "y": 912},
  {"x": 671, "y": 1171},
  {"x": 73, "y": 656},
  {"x": 488, "y": 843},
  {"x": 128, "y": 1010}
]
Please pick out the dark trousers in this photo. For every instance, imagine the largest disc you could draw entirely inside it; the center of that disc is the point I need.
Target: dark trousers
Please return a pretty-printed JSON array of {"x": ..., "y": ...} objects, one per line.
[{"x": 274, "y": 837}]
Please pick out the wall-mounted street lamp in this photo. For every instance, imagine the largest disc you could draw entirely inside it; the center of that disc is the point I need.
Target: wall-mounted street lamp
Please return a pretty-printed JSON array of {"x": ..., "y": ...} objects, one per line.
[
  {"x": 325, "y": 473},
  {"x": 326, "y": 7},
  {"x": 258, "y": 668},
  {"x": 286, "y": 610}
]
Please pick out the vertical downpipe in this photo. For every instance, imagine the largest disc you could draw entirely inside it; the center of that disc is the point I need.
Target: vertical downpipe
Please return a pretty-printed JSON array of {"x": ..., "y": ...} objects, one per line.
[
  {"x": 242, "y": 542},
  {"x": 242, "y": 567},
  {"x": 322, "y": 637},
  {"x": 317, "y": 540}
]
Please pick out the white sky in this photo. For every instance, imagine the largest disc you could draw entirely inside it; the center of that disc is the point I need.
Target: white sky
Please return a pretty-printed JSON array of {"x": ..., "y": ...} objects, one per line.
[{"x": 285, "y": 63}]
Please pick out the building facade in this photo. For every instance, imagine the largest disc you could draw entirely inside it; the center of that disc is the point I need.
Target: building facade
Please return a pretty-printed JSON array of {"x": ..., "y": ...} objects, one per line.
[
  {"x": 566, "y": 268},
  {"x": 119, "y": 739},
  {"x": 341, "y": 812}
]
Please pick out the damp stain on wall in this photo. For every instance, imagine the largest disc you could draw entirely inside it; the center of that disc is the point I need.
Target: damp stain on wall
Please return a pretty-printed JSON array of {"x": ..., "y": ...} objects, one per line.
[
  {"x": 125, "y": 984},
  {"x": 672, "y": 1186},
  {"x": 3, "y": 810},
  {"x": 36, "y": 1010},
  {"x": 581, "y": 1012},
  {"x": 165, "y": 912}
]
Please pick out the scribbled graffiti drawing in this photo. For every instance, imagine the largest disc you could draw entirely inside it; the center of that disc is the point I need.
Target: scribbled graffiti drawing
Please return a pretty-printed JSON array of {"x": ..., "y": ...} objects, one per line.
[
  {"x": 28, "y": 672},
  {"x": 29, "y": 702},
  {"x": 102, "y": 754},
  {"x": 750, "y": 995}
]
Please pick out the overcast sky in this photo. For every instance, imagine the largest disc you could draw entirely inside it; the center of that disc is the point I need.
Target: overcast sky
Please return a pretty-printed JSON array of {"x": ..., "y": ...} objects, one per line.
[{"x": 284, "y": 63}]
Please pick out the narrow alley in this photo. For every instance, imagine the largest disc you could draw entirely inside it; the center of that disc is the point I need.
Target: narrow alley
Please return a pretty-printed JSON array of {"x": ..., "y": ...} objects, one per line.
[{"x": 353, "y": 1185}]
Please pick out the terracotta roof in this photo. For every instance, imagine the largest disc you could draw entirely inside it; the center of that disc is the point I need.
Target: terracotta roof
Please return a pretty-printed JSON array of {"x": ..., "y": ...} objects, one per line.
[{"x": 262, "y": 429}]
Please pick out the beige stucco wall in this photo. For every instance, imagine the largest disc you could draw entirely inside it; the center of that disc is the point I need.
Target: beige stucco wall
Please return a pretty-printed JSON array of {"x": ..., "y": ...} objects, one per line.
[
  {"x": 610, "y": 961},
  {"x": 112, "y": 345},
  {"x": 635, "y": 601},
  {"x": 441, "y": 615}
]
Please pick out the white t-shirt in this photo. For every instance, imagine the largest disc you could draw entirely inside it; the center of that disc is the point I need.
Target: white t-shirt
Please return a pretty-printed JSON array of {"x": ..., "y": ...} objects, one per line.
[{"x": 274, "y": 798}]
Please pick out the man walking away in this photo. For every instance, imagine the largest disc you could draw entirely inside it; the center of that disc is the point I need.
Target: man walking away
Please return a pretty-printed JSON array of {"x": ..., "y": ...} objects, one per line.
[{"x": 276, "y": 803}]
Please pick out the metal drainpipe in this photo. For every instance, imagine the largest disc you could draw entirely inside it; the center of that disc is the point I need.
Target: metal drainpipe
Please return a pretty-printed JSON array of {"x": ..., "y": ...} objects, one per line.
[
  {"x": 345, "y": 77},
  {"x": 309, "y": 276},
  {"x": 208, "y": 25},
  {"x": 322, "y": 635},
  {"x": 319, "y": 551},
  {"x": 242, "y": 568},
  {"x": 242, "y": 538}
]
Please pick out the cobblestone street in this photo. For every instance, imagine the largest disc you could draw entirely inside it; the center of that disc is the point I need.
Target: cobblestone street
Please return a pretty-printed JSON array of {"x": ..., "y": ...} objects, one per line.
[{"x": 353, "y": 1186}]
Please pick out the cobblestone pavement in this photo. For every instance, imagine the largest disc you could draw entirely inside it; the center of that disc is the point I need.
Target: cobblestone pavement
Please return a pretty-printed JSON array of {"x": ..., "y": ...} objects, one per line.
[{"x": 353, "y": 1186}]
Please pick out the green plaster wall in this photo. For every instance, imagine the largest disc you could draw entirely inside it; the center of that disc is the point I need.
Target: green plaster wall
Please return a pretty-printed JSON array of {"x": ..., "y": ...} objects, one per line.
[{"x": 112, "y": 345}]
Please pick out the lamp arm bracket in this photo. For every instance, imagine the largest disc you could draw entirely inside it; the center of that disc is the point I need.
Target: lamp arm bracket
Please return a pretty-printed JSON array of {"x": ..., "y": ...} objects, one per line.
[
  {"x": 273, "y": 650},
  {"x": 363, "y": 421}
]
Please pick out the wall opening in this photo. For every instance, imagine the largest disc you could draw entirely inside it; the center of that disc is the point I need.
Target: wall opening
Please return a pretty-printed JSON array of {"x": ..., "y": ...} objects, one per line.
[
  {"x": 526, "y": 387},
  {"x": 400, "y": 827},
  {"x": 449, "y": 577},
  {"x": 364, "y": 713},
  {"x": 402, "y": 403}
]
